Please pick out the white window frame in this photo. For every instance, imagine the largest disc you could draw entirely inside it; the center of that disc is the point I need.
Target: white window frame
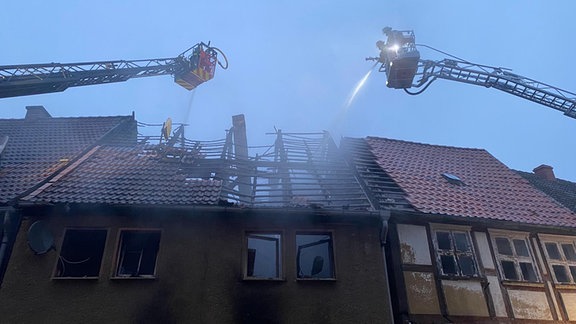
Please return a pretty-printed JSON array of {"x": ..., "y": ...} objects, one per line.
[
  {"x": 453, "y": 251},
  {"x": 515, "y": 258},
  {"x": 563, "y": 261},
  {"x": 279, "y": 254}
]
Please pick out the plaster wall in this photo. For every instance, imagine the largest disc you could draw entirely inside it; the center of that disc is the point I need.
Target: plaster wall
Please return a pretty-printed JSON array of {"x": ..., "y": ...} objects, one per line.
[
  {"x": 497, "y": 297},
  {"x": 484, "y": 250},
  {"x": 529, "y": 304},
  {"x": 200, "y": 274},
  {"x": 421, "y": 293},
  {"x": 570, "y": 304},
  {"x": 464, "y": 298}
]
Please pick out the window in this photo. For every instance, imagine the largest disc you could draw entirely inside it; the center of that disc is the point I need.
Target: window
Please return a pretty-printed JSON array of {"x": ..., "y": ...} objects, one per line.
[
  {"x": 561, "y": 257},
  {"x": 263, "y": 257},
  {"x": 515, "y": 260},
  {"x": 137, "y": 253},
  {"x": 454, "y": 253},
  {"x": 81, "y": 253},
  {"x": 314, "y": 256}
]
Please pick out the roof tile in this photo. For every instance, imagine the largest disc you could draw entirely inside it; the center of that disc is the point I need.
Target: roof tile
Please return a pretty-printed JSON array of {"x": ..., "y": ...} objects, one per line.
[{"x": 491, "y": 190}]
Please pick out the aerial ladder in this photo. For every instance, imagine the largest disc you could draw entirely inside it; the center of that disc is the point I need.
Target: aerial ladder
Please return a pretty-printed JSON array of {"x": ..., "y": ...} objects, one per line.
[
  {"x": 400, "y": 59},
  {"x": 191, "y": 68}
]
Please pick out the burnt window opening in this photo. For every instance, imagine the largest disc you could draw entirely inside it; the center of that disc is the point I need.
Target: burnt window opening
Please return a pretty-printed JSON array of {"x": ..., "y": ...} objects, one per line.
[
  {"x": 515, "y": 259},
  {"x": 562, "y": 260},
  {"x": 81, "y": 253},
  {"x": 315, "y": 256},
  {"x": 263, "y": 258},
  {"x": 137, "y": 253},
  {"x": 455, "y": 254}
]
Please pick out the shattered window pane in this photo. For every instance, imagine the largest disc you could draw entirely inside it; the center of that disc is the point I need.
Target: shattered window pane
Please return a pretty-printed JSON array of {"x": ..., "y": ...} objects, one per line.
[
  {"x": 314, "y": 256},
  {"x": 263, "y": 258}
]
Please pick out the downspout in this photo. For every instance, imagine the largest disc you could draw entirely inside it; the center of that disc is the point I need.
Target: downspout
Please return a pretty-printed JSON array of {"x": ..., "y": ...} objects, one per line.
[
  {"x": 10, "y": 222},
  {"x": 384, "y": 217}
]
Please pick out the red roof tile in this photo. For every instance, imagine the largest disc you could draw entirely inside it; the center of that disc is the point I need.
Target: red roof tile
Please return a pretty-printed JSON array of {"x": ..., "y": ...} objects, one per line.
[{"x": 491, "y": 190}]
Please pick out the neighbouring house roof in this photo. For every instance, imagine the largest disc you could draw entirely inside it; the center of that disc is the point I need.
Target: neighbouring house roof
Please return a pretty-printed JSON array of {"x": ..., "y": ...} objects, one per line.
[
  {"x": 135, "y": 175},
  {"x": 39, "y": 145},
  {"x": 562, "y": 190},
  {"x": 482, "y": 188}
]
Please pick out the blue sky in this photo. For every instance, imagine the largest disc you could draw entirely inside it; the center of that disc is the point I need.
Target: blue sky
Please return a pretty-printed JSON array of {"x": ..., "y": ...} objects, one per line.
[{"x": 294, "y": 63}]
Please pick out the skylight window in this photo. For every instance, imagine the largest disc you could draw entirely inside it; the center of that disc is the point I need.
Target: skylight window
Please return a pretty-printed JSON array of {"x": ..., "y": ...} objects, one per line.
[{"x": 454, "y": 179}]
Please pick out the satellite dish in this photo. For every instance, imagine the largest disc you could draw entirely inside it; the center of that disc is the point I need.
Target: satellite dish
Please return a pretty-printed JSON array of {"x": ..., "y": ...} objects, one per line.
[{"x": 40, "y": 239}]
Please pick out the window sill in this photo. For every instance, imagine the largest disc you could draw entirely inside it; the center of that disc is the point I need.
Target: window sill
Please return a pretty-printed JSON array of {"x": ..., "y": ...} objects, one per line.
[
  {"x": 316, "y": 279},
  {"x": 508, "y": 283},
  {"x": 263, "y": 279},
  {"x": 565, "y": 286},
  {"x": 75, "y": 278},
  {"x": 135, "y": 278}
]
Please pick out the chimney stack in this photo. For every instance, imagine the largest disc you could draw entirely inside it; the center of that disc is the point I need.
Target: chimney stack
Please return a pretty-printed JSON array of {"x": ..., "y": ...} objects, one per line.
[
  {"x": 545, "y": 172},
  {"x": 36, "y": 112}
]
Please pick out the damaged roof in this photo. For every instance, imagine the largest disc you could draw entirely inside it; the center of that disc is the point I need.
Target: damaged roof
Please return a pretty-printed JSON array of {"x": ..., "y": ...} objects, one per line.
[
  {"x": 39, "y": 145},
  {"x": 485, "y": 189},
  {"x": 128, "y": 176}
]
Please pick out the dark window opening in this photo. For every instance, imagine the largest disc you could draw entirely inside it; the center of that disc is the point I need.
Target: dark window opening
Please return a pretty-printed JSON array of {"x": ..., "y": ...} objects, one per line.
[
  {"x": 443, "y": 239},
  {"x": 509, "y": 270},
  {"x": 263, "y": 257},
  {"x": 81, "y": 253},
  {"x": 553, "y": 251},
  {"x": 503, "y": 246},
  {"x": 461, "y": 242},
  {"x": 573, "y": 272},
  {"x": 569, "y": 252},
  {"x": 521, "y": 248},
  {"x": 314, "y": 258},
  {"x": 467, "y": 265},
  {"x": 528, "y": 271},
  {"x": 560, "y": 273},
  {"x": 448, "y": 264},
  {"x": 138, "y": 252}
]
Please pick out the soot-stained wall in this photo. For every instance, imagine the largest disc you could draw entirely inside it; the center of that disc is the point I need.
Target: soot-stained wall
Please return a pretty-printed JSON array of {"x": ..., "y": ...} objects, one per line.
[{"x": 199, "y": 271}]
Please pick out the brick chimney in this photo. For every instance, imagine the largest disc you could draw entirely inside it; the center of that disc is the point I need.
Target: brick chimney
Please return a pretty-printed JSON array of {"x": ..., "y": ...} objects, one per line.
[
  {"x": 36, "y": 112},
  {"x": 545, "y": 172}
]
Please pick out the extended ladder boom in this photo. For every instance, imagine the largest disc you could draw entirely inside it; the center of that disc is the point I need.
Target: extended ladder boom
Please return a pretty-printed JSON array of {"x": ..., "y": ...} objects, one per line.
[
  {"x": 498, "y": 78},
  {"x": 189, "y": 71},
  {"x": 400, "y": 60}
]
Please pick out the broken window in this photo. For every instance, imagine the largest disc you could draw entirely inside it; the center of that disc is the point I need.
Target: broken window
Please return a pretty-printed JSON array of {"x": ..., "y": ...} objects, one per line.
[
  {"x": 137, "y": 253},
  {"x": 81, "y": 253},
  {"x": 263, "y": 257},
  {"x": 561, "y": 256},
  {"x": 514, "y": 256},
  {"x": 455, "y": 253},
  {"x": 314, "y": 256}
]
